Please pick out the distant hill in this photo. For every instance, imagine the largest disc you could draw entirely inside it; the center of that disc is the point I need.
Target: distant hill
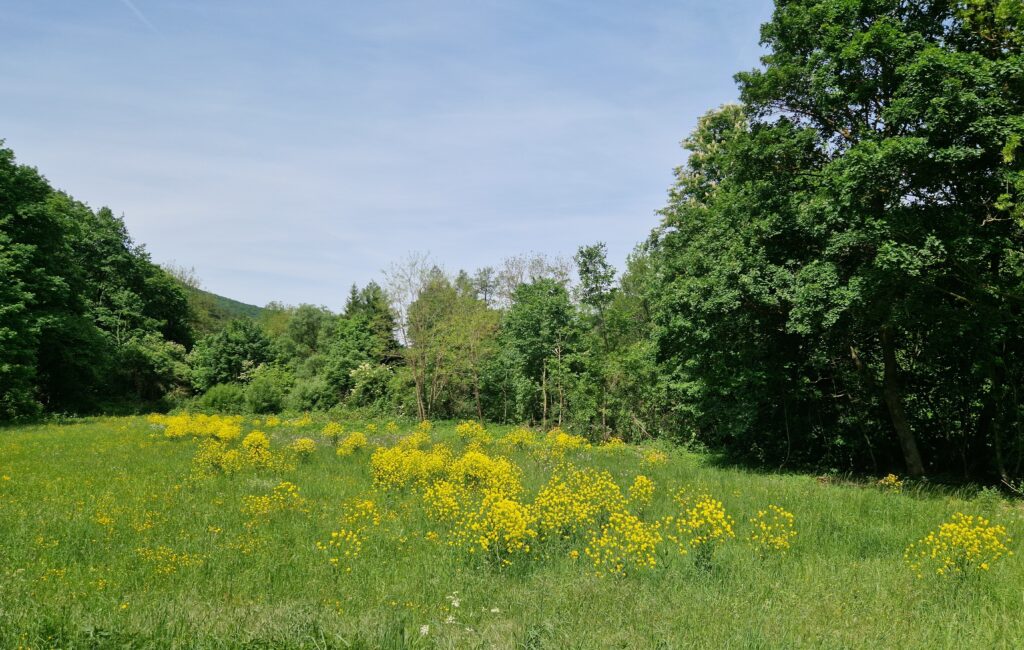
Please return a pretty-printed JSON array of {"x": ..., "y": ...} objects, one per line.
[{"x": 212, "y": 312}]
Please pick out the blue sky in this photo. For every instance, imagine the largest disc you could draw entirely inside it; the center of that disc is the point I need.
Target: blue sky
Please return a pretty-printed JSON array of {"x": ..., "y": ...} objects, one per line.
[{"x": 287, "y": 150}]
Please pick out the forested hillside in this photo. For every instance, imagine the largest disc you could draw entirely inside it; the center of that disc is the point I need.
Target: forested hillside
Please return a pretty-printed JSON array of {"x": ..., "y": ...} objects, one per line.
[
  {"x": 87, "y": 321},
  {"x": 836, "y": 281},
  {"x": 211, "y": 312}
]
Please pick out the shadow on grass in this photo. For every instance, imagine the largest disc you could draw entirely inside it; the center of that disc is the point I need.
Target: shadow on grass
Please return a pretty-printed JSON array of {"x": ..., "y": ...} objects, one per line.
[{"x": 939, "y": 486}]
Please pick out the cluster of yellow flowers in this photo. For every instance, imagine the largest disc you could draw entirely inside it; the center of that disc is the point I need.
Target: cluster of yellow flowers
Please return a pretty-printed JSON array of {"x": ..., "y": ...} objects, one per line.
[
  {"x": 520, "y": 439},
  {"x": 574, "y": 500},
  {"x": 257, "y": 449},
  {"x": 641, "y": 492},
  {"x": 352, "y": 443},
  {"x": 773, "y": 530},
  {"x": 476, "y": 519},
  {"x": 360, "y": 513},
  {"x": 890, "y": 482},
  {"x": 303, "y": 447},
  {"x": 624, "y": 545},
  {"x": 473, "y": 433},
  {"x": 269, "y": 422},
  {"x": 345, "y": 544},
  {"x": 418, "y": 439},
  {"x": 444, "y": 501},
  {"x": 612, "y": 446},
  {"x": 655, "y": 457},
  {"x": 558, "y": 442},
  {"x": 702, "y": 525},
  {"x": 501, "y": 527},
  {"x": 285, "y": 497},
  {"x": 215, "y": 456},
  {"x": 332, "y": 431},
  {"x": 395, "y": 468},
  {"x": 299, "y": 422},
  {"x": 474, "y": 497},
  {"x": 225, "y": 428},
  {"x": 963, "y": 544},
  {"x": 166, "y": 560},
  {"x": 475, "y": 469}
]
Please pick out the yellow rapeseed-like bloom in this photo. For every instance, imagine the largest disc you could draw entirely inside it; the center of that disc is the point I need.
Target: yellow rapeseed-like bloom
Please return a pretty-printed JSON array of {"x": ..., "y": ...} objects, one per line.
[
  {"x": 225, "y": 428},
  {"x": 332, "y": 431},
  {"x": 964, "y": 543},
  {"x": 303, "y": 447},
  {"x": 558, "y": 442},
  {"x": 702, "y": 525},
  {"x": 576, "y": 500},
  {"x": 352, "y": 443},
  {"x": 166, "y": 560},
  {"x": 285, "y": 497},
  {"x": 472, "y": 432},
  {"x": 257, "y": 449},
  {"x": 624, "y": 545},
  {"x": 890, "y": 482},
  {"x": 520, "y": 439},
  {"x": 612, "y": 446},
  {"x": 641, "y": 492},
  {"x": 772, "y": 530},
  {"x": 655, "y": 457}
]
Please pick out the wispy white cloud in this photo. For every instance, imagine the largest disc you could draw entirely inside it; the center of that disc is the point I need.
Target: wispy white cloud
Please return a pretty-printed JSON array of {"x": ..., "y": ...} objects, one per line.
[
  {"x": 138, "y": 14},
  {"x": 285, "y": 153}
]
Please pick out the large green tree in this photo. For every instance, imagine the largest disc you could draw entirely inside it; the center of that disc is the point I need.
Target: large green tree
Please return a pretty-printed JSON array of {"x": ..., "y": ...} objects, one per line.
[
  {"x": 86, "y": 319},
  {"x": 541, "y": 327},
  {"x": 230, "y": 354},
  {"x": 841, "y": 255}
]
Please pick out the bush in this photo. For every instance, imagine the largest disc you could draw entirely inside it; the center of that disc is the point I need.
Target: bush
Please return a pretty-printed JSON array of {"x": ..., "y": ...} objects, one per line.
[
  {"x": 267, "y": 390},
  {"x": 224, "y": 398},
  {"x": 314, "y": 394},
  {"x": 370, "y": 385}
]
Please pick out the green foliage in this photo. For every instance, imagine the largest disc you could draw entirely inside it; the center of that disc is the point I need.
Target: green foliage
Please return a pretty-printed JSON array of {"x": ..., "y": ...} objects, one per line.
[
  {"x": 541, "y": 329},
  {"x": 229, "y": 354},
  {"x": 79, "y": 543},
  {"x": 211, "y": 312},
  {"x": 370, "y": 385},
  {"x": 833, "y": 277},
  {"x": 267, "y": 389},
  {"x": 837, "y": 280},
  {"x": 85, "y": 317},
  {"x": 311, "y": 394},
  {"x": 224, "y": 398}
]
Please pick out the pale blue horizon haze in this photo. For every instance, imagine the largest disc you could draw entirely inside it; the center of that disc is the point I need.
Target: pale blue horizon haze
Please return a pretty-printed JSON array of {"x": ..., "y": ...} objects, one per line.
[{"x": 287, "y": 150}]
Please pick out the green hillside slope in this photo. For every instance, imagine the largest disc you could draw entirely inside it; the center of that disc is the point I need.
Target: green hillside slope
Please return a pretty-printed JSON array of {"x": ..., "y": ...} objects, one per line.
[{"x": 212, "y": 311}]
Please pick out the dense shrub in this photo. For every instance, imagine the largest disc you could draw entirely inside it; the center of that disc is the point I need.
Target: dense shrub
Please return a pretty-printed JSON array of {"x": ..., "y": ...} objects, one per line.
[
  {"x": 226, "y": 398},
  {"x": 267, "y": 389}
]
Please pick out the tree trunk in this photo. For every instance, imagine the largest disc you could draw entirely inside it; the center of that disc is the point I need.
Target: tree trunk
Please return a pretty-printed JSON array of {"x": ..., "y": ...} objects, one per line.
[
  {"x": 894, "y": 400},
  {"x": 604, "y": 411},
  {"x": 418, "y": 380},
  {"x": 561, "y": 389},
  {"x": 544, "y": 396},
  {"x": 476, "y": 393},
  {"x": 988, "y": 428}
]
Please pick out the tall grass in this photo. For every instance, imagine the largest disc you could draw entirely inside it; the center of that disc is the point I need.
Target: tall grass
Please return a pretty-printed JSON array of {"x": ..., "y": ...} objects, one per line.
[{"x": 109, "y": 539}]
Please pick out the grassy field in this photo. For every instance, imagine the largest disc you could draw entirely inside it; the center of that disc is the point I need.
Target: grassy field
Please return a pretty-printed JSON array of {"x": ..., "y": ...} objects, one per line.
[{"x": 113, "y": 534}]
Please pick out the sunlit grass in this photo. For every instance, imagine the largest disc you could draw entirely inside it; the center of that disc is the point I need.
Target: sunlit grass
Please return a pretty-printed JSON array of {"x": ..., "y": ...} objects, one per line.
[{"x": 109, "y": 536}]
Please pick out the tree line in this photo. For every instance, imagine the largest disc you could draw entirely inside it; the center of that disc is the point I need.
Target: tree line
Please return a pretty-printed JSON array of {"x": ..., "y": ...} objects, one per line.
[{"x": 836, "y": 280}]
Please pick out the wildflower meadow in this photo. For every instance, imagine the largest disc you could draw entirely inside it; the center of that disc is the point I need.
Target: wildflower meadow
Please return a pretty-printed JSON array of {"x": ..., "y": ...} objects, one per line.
[{"x": 227, "y": 531}]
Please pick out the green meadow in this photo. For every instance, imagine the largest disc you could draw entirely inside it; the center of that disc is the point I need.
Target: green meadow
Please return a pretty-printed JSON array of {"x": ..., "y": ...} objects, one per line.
[{"x": 111, "y": 535}]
